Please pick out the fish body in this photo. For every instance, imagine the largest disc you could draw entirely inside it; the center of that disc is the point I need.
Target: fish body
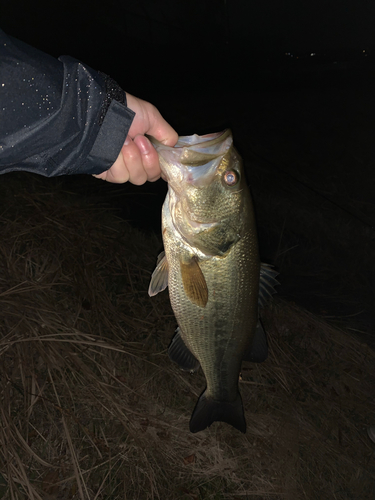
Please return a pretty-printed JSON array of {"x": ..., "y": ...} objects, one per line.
[{"x": 212, "y": 268}]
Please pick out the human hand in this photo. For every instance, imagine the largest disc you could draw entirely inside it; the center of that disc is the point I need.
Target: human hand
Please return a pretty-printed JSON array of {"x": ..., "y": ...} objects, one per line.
[{"x": 138, "y": 160}]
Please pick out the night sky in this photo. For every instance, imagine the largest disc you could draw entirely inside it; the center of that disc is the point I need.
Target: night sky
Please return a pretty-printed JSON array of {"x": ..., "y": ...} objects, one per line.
[
  {"x": 305, "y": 26},
  {"x": 109, "y": 35}
]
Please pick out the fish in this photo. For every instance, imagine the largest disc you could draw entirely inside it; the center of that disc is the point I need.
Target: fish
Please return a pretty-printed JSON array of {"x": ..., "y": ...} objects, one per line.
[{"x": 212, "y": 268}]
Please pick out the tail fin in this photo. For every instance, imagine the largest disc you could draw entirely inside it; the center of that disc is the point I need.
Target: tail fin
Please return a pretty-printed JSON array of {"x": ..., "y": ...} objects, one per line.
[{"x": 207, "y": 411}]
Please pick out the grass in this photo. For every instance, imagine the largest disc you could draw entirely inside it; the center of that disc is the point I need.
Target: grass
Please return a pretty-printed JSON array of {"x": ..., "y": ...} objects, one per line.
[{"x": 92, "y": 408}]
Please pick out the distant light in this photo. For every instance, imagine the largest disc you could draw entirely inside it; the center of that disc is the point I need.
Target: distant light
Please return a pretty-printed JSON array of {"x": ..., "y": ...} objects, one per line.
[
  {"x": 313, "y": 54},
  {"x": 363, "y": 50}
]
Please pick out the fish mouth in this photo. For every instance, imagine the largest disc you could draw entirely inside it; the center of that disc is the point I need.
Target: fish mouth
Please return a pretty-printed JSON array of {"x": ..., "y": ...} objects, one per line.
[
  {"x": 192, "y": 152},
  {"x": 193, "y": 159},
  {"x": 197, "y": 142}
]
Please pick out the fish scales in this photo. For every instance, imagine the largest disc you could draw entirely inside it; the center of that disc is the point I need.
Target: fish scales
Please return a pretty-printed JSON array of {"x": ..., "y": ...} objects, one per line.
[
  {"x": 212, "y": 268},
  {"x": 231, "y": 309}
]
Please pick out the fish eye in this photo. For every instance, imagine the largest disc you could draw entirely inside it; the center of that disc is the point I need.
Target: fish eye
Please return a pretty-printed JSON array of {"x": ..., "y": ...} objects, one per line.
[{"x": 231, "y": 177}]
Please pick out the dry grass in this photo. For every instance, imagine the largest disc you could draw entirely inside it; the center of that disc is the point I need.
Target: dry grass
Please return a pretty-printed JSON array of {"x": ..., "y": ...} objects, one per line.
[{"x": 92, "y": 408}]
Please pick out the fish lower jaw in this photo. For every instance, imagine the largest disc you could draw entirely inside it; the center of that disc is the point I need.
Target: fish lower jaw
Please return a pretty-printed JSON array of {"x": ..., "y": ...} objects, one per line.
[{"x": 202, "y": 226}]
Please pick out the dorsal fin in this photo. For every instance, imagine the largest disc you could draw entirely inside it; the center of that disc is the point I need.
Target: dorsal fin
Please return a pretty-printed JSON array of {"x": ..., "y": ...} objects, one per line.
[{"x": 267, "y": 281}]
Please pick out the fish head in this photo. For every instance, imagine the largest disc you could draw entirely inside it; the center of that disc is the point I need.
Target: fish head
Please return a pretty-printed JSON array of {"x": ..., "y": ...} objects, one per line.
[{"x": 207, "y": 190}]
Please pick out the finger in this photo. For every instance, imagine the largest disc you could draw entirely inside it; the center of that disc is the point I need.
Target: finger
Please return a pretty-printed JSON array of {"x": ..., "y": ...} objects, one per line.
[
  {"x": 148, "y": 120},
  {"x": 118, "y": 173},
  {"x": 101, "y": 176},
  {"x": 149, "y": 156},
  {"x": 162, "y": 131},
  {"x": 133, "y": 162}
]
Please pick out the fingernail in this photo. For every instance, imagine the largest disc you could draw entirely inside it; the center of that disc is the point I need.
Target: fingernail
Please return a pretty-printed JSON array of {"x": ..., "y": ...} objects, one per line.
[
  {"x": 127, "y": 141},
  {"x": 144, "y": 146}
]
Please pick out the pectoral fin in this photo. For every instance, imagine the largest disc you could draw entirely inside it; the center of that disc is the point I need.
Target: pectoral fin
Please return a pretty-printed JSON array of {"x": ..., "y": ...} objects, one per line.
[
  {"x": 194, "y": 282},
  {"x": 159, "y": 278}
]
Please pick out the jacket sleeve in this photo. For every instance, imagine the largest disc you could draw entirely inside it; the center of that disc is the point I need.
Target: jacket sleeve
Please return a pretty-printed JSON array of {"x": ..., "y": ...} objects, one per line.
[{"x": 57, "y": 116}]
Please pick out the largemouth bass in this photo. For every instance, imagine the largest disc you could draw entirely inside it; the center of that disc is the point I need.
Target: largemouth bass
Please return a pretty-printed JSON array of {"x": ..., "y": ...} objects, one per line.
[{"x": 212, "y": 268}]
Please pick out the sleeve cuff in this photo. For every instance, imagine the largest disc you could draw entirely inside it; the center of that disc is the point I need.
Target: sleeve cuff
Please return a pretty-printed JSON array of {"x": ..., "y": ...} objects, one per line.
[{"x": 109, "y": 141}]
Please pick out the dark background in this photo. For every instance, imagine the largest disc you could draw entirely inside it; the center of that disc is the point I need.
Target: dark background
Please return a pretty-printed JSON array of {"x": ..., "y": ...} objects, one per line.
[
  {"x": 155, "y": 47},
  {"x": 295, "y": 82}
]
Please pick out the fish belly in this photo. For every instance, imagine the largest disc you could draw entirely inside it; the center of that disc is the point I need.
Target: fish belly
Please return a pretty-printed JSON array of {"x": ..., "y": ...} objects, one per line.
[{"x": 219, "y": 333}]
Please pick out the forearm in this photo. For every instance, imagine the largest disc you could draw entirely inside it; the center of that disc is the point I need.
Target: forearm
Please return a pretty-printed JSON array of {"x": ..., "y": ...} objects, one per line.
[{"x": 57, "y": 116}]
